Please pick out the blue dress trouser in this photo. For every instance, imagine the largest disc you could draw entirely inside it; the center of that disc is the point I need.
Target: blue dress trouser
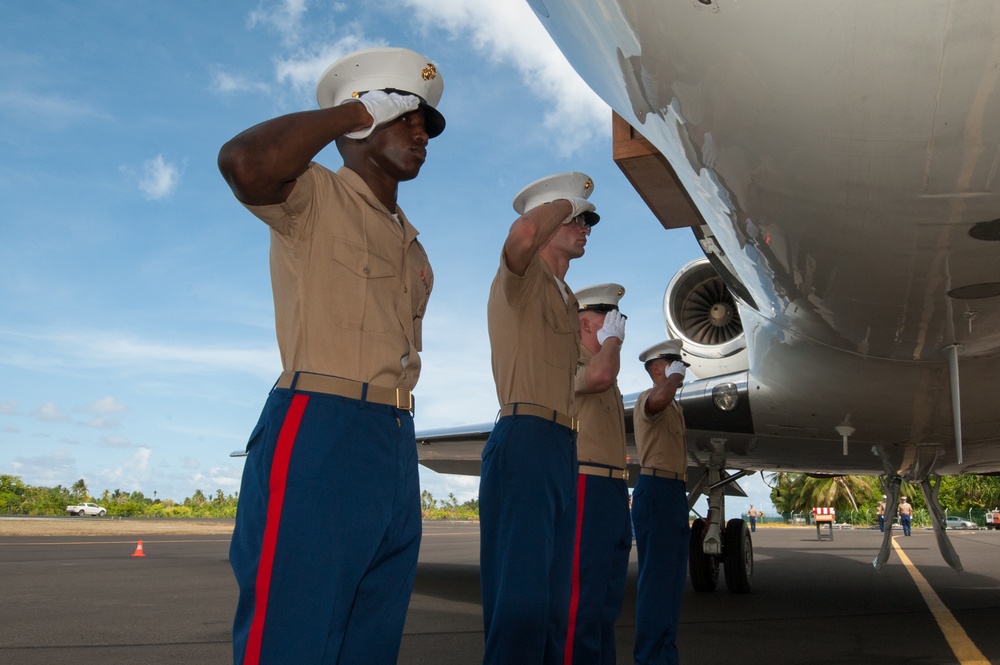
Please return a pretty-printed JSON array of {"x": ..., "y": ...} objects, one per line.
[
  {"x": 603, "y": 544},
  {"x": 327, "y": 532},
  {"x": 527, "y": 514},
  {"x": 904, "y": 521},
  {"x": 662, "y": 539}
]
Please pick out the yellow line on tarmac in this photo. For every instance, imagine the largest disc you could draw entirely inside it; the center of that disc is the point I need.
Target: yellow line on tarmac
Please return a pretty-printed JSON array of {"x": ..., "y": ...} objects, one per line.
[{"x": 963, "y": 647}]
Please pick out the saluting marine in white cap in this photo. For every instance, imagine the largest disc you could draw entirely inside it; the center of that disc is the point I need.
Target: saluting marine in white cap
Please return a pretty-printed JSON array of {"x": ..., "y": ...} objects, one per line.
[
  {"x": 527, "y": 517},
  {"x": 604, "y": 528},
  {"x": 603, "y": 299},
  {"x": 380, "y": 108},
  {"x": 659, "y": 504},
  {"x": 668, "y": 350}
]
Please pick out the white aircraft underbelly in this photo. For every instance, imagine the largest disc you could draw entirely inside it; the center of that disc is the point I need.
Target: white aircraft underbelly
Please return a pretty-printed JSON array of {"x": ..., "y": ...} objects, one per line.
[{"x": 845, "y": 157}]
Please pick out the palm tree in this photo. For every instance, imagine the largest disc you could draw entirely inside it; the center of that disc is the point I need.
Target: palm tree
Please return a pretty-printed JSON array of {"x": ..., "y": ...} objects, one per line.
[
  {"x": 80, "y": 490},
  {"x": 800, "y": 492},
  {"x": 960, "y": 493}
]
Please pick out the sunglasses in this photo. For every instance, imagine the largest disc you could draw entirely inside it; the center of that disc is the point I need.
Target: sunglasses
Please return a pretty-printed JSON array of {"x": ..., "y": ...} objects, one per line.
[{"x": 600, "y": 309}]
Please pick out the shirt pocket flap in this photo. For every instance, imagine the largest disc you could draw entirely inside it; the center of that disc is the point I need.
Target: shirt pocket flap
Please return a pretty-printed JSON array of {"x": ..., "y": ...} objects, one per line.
[{"x": 361, "y": 260}]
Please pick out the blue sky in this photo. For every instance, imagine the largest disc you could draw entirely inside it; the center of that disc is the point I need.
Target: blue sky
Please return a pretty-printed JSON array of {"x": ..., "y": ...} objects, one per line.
[{"x": 136, "y": 322}]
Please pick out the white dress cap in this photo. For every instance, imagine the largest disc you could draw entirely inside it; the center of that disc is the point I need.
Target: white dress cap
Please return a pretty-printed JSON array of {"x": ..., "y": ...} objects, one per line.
[
  {"x": 600, "y": 298},
  {"x": 554, "y": 187},
  {"x": 388, "y": 68},
  {"x": 669, "y": 349}
]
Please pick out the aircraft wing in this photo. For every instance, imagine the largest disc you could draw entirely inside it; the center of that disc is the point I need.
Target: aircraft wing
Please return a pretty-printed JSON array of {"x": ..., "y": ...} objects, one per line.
[
  {"x": 454, "y": 450},
  {"x": 458, "y": 450}
]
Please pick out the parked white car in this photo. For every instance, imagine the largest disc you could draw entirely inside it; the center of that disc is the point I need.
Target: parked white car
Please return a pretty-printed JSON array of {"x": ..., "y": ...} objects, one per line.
[
  {"x": 955, "y": 522},
  {"x": 82, "y": 509}
]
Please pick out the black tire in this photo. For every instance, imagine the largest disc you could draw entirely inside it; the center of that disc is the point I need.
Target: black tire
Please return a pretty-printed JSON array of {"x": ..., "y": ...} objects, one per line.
[
  {"x": 703, "y": 568},
  {"x": 101, "y": 514},
  {"x": 82, "y": 513},
  {"x": 737, "y": 556}
]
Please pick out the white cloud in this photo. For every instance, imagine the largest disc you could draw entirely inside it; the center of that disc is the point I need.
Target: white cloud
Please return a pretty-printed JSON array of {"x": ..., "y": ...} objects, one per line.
[
  {"x": 103, "y": 423},
  {"x": 506, "y": 32},
  {"x": 509, "y": 32},
  {"x": 11, "y": 429},
  {"x": 51, "y": 108},
  {"x": 129, "y": 475},
  {"x": 465, "y": 488},
  {"x": 49, "y": 412},
  {"x": 116, "y": 442},
  {"x": 106, "y": 405},
  {"x": 303, "y": 70},
  {"x": 450, "y": 360},
  {"x": 226, "y": 478},
  {"x": 89, "y": 349},
  {"x": 45, "y": 470},
  {"x": 225, "y": 83},
  {"x": 187, "y": 358},
  {"x": 159, "y": 178},
  {"x": 285, "y": 17},
  {"x": 9, "y": 407}
]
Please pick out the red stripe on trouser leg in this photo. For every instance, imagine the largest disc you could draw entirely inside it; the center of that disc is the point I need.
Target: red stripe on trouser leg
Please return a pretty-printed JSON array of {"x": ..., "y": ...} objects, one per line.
[
  {"x": 574, "y": 593},
  {"x": 276, "y": 485}
]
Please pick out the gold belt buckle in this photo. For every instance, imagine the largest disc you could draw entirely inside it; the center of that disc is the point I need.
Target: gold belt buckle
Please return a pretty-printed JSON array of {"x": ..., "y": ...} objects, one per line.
[{"x": 409, "y": 400}]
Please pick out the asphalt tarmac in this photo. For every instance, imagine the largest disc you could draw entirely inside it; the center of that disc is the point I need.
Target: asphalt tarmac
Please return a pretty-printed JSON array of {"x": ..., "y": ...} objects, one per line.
[{"x": 88, "y": 599}]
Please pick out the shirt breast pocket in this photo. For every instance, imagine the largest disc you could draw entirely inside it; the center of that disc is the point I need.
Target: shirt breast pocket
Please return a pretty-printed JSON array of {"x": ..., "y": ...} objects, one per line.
[
  {"x": 560, "y": 340},
  {"x": 362, "y": 293}
]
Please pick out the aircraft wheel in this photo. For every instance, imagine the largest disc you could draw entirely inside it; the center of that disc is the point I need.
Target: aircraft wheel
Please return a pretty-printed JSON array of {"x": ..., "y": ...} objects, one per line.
[
  {"x": 703, "y": 568},
  {"x": 737, "y": 556}
]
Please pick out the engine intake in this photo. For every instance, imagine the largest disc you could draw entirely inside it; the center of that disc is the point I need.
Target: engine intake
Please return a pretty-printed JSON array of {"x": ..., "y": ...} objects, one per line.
[{"x": 700, "y": 310}]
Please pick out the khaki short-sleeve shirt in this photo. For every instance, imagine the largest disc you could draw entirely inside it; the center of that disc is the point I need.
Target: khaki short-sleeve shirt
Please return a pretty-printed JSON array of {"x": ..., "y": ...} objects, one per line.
[
  {"x": 350, "y": 282},
  {"x": 533, "y": 337},
  {"x": 661, "y": 439},
  {"x": 601, "y": 439}
]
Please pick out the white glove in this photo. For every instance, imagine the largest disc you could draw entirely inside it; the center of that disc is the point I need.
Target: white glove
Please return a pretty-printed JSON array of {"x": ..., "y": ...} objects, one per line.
[
  {"x": 580, "y": 206},
  {"x": 383, "y": 107},
  {"x": 676, "y": 367},
  {"x": 614, "y": 326}
]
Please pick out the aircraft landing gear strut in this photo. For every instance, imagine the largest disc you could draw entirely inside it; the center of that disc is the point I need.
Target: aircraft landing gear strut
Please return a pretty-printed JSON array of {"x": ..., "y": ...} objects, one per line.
[{"x": 712, "y": 545}]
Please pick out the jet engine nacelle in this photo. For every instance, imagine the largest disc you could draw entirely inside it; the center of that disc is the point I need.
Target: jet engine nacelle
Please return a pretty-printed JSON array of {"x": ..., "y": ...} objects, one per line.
[{"x": 699, "y": 309}]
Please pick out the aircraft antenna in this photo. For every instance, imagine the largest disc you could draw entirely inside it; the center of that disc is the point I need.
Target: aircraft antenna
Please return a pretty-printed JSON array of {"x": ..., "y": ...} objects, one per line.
[{"x": 845, "y": 430}]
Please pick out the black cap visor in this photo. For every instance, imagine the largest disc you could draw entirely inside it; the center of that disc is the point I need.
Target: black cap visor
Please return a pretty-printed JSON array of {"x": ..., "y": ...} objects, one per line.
[
  {"x": 673, "y": 357},
  {"x": 600, "y": 308},
  {"x": 433, "y": 120}
]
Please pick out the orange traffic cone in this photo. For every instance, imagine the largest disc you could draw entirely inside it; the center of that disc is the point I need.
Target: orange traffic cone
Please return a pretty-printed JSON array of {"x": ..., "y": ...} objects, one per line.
[{"x": 138, "y": 550}]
